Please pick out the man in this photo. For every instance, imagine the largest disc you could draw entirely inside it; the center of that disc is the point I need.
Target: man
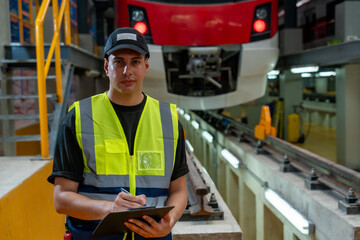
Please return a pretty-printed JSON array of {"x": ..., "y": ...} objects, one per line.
[{"x": 120, "y": 139}]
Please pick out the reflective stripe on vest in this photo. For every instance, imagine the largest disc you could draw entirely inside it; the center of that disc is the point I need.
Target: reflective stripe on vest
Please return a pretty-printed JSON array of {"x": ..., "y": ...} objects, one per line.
[{"x": 106, "y": 154}]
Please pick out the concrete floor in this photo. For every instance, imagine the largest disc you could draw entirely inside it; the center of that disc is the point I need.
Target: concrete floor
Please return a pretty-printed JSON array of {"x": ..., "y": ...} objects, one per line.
[{"x": 320, "y": 140}]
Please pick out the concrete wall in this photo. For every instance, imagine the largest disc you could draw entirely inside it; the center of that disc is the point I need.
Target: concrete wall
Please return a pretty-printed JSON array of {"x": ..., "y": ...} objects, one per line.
[
  {"x": 346, "y": 17},
  {"x": 27, "y": 209},
  {"x": 5, "y": 38},
  {"x": 290, "y": 41},
  {"x": 5, "y": 30},
  {"x": 348, "y": 113}
]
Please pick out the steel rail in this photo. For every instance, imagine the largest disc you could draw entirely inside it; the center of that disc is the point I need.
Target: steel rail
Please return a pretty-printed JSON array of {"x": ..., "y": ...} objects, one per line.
[
  {"x": 202, "y": 203},
  {"x": 333, "y": 175},
  {"x": 197, "y": 190}
]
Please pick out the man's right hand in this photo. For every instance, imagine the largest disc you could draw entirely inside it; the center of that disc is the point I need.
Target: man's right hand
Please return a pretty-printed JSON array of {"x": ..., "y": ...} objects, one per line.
[{"x": 125, "y": 201}]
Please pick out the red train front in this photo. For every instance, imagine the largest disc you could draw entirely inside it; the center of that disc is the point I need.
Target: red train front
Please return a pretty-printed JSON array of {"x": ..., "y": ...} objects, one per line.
[{"x": 205, "y": 54}]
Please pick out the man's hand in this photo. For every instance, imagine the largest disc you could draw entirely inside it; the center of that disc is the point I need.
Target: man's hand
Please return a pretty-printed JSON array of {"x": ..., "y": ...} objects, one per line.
[
  {"x": 150, "y": 228},
  {"x": 125, "y": 201},
  {"x": 68, "y": 201}
]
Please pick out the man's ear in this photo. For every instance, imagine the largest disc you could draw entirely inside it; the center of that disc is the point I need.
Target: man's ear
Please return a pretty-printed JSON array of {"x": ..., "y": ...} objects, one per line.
[
  {"x": 147, "y": 65},
  {"x": 106, "y": 65}
]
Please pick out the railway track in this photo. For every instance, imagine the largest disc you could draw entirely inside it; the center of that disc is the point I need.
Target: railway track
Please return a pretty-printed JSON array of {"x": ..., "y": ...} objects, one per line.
[{"x": 321, "y": 173}]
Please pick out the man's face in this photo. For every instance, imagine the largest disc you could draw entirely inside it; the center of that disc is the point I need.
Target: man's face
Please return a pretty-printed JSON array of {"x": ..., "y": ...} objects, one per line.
[{"x": 126, "y": 70}]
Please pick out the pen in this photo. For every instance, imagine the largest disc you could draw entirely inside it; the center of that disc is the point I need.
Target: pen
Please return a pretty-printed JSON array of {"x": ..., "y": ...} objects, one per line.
[{"x": 123, "y": 190}]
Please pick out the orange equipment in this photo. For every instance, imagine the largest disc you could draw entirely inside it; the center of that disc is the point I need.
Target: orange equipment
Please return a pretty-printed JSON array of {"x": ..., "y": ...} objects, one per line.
[{"x": 264, "y": 128}]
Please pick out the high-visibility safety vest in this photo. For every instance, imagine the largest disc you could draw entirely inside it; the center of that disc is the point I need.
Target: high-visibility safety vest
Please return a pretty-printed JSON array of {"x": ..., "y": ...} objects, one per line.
[{"x": 108, "y": 165}]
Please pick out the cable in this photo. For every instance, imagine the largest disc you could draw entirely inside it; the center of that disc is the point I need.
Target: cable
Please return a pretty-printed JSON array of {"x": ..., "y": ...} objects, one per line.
[{"x": 309, "y": 127}]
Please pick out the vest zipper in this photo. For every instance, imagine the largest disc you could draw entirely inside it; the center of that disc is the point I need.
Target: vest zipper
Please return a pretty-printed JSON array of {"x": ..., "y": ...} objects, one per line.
[{"x": 132, "y": 179}]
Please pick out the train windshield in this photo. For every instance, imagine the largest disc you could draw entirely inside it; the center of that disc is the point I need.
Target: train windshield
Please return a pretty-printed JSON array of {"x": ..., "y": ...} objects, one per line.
[{"x": 202, "y": 2}]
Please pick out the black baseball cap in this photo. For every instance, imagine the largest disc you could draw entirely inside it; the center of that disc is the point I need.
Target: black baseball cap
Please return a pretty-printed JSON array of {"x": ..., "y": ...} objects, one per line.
[{"x": 126, "y": 37}]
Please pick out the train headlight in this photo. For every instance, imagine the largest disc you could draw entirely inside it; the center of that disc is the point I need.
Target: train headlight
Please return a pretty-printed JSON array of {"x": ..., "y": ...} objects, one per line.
[
  {"x": 138, "y": 15},
  {"x": 261, "y": 13},
  {"x": 141, "y": 27},
  {"x": 259, "y": 26},
  {"x": 138, "y": 19}
]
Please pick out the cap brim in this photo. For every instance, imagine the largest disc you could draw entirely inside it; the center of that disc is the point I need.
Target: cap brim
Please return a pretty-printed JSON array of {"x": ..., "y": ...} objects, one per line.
[{"x": 125, "y": 46}]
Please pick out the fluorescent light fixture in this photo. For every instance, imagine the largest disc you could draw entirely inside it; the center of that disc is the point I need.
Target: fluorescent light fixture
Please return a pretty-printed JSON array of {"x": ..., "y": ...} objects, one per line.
[
  {"x": 327, "y": 74},
  {"x": 274, "y": 72},
  {"x": 181, "y": 111},
  {"x": 208, "y": 137},
  {"x": 306, "y": 75},
  {"x": 189, "y": 145},
  {"x": 195, "y": 124},
  {"x": 302, "y": 2},
  {"x": 187, "y": 116},
  {"x": 290, "y": 213},
  {"x": 272, "y": 76},
  {"x": 304, "y": 69},
  {"x": 230, "y": 158}
]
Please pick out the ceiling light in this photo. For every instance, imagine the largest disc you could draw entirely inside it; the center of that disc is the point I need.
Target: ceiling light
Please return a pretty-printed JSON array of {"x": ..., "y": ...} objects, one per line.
[
  {"x": 272, "y": 76},
  {"x": 274, "y": 72},
  {"x": 187, "y": 116},
  {"x": 327, "y": 74},
  {"x": 304, "y": 69},
  {"x": 306, "y": 75}
]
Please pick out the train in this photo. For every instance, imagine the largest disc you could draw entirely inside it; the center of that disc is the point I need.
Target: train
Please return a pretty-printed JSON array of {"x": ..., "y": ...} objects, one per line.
[{"x": 205, "y": 54}]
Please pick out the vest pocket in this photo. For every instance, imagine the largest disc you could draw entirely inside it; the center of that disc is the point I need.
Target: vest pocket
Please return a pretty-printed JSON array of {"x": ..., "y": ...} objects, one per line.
[
  {"x": 150, "y": 163},
  {"x": 113, "y": 159}
]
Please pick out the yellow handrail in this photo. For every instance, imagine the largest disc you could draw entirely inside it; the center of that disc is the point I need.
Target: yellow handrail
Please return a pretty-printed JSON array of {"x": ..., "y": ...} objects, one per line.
[
  {"x": 42, "y": 70},
  {"x": 67, "y": 25}
]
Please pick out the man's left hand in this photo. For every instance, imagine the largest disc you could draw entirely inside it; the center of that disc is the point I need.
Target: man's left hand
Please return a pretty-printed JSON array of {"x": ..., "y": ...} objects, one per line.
[{"x": 150, "y": 228}]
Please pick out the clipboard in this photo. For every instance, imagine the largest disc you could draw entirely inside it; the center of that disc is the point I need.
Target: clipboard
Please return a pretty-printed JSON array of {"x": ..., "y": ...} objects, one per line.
[{"x": 113, "y": 223}]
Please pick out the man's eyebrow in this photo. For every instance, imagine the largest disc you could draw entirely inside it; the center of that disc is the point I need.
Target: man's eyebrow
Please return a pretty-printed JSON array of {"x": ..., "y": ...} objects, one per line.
[{"x": 137, "y": 57}]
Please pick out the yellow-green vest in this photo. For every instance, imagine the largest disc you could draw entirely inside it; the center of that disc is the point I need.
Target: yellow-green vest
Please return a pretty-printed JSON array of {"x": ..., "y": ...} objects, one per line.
[{"x": 108, "y": 164}]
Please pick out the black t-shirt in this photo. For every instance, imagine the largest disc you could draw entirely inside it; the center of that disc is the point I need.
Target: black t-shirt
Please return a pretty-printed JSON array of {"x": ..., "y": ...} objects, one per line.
[{"x": 68, "y": 158}]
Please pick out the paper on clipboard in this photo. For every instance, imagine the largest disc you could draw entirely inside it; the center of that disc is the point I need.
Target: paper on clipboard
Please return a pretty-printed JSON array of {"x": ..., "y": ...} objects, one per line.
[{"x": 113, "y": 223}]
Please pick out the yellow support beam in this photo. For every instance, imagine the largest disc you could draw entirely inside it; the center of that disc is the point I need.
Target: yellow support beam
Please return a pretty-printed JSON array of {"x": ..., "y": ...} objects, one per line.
[
  {"x": 43, "y": 69},
  {"x": 67, "y": 24},
  {"x": 44, "y": 132}
]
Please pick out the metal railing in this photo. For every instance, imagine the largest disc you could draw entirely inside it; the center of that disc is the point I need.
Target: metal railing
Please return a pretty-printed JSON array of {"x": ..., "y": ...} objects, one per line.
[{"x": 43, "y": 69}]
